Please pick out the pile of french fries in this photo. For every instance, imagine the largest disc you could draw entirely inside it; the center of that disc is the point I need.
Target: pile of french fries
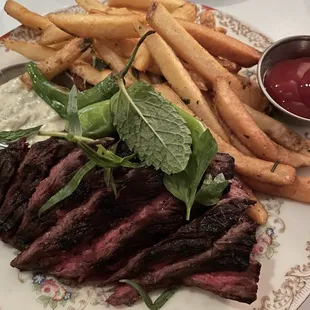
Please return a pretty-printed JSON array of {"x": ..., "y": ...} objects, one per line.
[{"x": 193, "y": 63}]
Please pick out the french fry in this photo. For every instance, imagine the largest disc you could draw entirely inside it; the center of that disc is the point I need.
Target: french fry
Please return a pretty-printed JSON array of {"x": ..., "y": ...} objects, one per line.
[
  {"x": 182, "y": 42},
  {"x": 90, "y": 4},
  {"x": 26, "y": 17},
  {"x": 115, "y": 11},
  {"x": 257, "y": 212},
  {"x": 115, "y": 61},
  {"x": 61, "y": 61},
  {"x": 170, "y": 95},
  {"x": 155, "y": 78},
  {"x": 97, "y": 25},
  {"x": 179, "y": 79},
  {"x": 32, "y": 51},
  {"x": 53, "y": 35},
  {"x": 89, "y": 73},
  {"x": 258, "y": 169},
  {"x": 143, "y": 5},
  {"x": 299, "y": 190},
  {"x": 144, "y": 59},
  {"x": 198, "y": 79},
  {"x": 144, "y": 78},
  {"x": 235, "y": 115},
  {"x": 123, "y": 47},
  {"x": 187, "y": 11},
  {"x": 207, "y": 19},
  {"x": 229, "y": 65},
  {"x": 58, "y": 46},
  {"x": 279, "y": 133}
]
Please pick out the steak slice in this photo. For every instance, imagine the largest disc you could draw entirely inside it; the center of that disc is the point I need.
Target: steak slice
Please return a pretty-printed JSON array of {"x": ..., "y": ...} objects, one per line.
[
  {"x": 31, "y": 226},
  {"x": 239, "y": 286},
  {"x": 10, "y": 159},
  {"x": 78, "y": 225},
  {"x": 190, "y": 239},
  {"x": 35, "y": 167},
  {"x": 154, "y": 221},
  {"x": 222, "y": 163}
]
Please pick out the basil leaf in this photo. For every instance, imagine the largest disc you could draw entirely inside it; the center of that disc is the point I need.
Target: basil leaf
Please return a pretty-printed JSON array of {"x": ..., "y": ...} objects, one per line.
[
  {"x": 74, "y": 128},
  {"x": 108, "y": 159},
  {"x": 69, "y": 188},
  {"x": 11, "y": 136},
  {"x": 159, "y": 302},
  {"x": 184, "y": 185},
  {"x": 211, "y": 190},
  {"x": 151, "y": 127},
  {"x": 164, "y": 297}
]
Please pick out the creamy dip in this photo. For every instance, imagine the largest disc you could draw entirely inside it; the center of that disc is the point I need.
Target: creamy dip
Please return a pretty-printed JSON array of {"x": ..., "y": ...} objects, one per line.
[{"x": 21, "y": 108}]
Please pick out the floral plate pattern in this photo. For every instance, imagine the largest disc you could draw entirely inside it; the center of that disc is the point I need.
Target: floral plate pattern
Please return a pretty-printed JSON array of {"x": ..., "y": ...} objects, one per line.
[{"x": 283, "y": 244}]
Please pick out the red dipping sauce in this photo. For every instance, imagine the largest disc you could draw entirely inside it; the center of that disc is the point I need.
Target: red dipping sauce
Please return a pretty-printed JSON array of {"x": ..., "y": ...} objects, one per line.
[{"x": 288, "y": 83}]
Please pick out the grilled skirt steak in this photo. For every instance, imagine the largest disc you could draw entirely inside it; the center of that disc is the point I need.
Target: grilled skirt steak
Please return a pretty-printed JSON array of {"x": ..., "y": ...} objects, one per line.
[
  {"x": 10, "y": 159},
  {"x": 154, "y": 221},
  {"x": 35, "y": 166}
]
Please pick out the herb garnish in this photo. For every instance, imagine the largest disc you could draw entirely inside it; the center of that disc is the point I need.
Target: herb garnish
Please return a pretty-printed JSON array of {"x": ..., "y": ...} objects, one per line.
[
  {"x": 151, "y": 127},
  {"x": 74, "y": 125},
  {"x": 274, "y": 167},
  {"x": 11, "y": 136},
  {"x": 159, "y": 302},
  {"x": 211, "y": 190}
]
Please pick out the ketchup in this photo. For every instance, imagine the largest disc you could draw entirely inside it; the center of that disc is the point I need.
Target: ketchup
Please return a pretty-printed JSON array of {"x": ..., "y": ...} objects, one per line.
[{"x": 288, "y": 83}]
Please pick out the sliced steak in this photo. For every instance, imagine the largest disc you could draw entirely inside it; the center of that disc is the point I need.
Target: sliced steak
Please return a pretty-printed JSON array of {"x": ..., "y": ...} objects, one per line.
[
  {"x": 31, "y": 226},
  {"x": 78, "y": 225},
  {"x": 190, "y": 239},
  {"x": 153, "y": 222},
  {"x": 239, "y": 286},
  {"x": 10, "y": 159},
  {"x": 35, "y": 166},
  {"x": 222, "y": 163}
]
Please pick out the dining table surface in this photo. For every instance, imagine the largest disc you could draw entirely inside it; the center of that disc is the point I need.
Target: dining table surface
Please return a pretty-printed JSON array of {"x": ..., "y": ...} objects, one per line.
[{"x": 275, "y": 18}]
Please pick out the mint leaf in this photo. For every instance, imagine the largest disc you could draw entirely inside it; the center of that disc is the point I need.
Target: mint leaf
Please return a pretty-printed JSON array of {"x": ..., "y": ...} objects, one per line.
[
  {"x": 151, "y": 127},
  {"x": 211, "y": 190},
  {"x": 184, "y": 185},
  {"x": 11, "y": 136}
]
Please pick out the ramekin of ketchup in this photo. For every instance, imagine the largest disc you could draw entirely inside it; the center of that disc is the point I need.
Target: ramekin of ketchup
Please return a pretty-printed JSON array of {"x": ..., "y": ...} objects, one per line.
[{"x": 284, "y": 75}]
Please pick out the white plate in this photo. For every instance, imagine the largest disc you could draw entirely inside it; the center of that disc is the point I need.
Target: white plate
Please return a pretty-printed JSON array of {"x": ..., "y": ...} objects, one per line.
[{"x": 283, "y": 244}]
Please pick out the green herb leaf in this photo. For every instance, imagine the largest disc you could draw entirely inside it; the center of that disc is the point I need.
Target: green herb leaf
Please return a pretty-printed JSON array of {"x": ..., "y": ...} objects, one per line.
[
  {"x": 75, "y": 128},
  {"x": 67, "y": 190},
  {"x": 211, "y": 190},
  {"x": 274, "y": 167},
  {"x": 164, "y": 297},
  {"x": 184, "y": 185},
  {"x": 11, "y": 136},
  {"x": 160, "y": 301},
  {"x": 151, "y": 127},
  {"x": 108, "y": 159}
]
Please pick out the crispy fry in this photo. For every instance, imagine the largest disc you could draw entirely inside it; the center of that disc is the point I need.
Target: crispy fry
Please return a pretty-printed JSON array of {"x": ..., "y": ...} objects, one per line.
[
  {"x": 116, "y": 11},
  {"x": 144, "y": 59},
  {"x": 26, "y": 17},
  {"x": 256, "y": 212},
  {"x": 53, "y": 35},
  {"x": 115, "y": 61},
  {"x": 89, "y": 73},
  {"x": 32, "y": 51},
  {"x": 170, "y": 95},
  {"x": 181, "y": 41},
  {"x": 179, "y": 79},
  {"x": 258, "y": 169},
  {"x": 279, "y": 133},
  {"x": 58, "y": 46},
  {"x": 143, "y": 5},
  {"x": 96, "y": 25},
  {"x": 61, "y": 61},
  {"x": 299, "y": 190},
  {"x": 234, "y": 114},
  {"x": 123, "y": 47},
  {"x": 219, "y": 44},
  {"x": 221, "y": 29},
  {"x": 207, "y": 19},
  {"x": 229, "y": 65},
  {"x": 90, "y": 4},
  {"x": 188, "y": 12}
]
